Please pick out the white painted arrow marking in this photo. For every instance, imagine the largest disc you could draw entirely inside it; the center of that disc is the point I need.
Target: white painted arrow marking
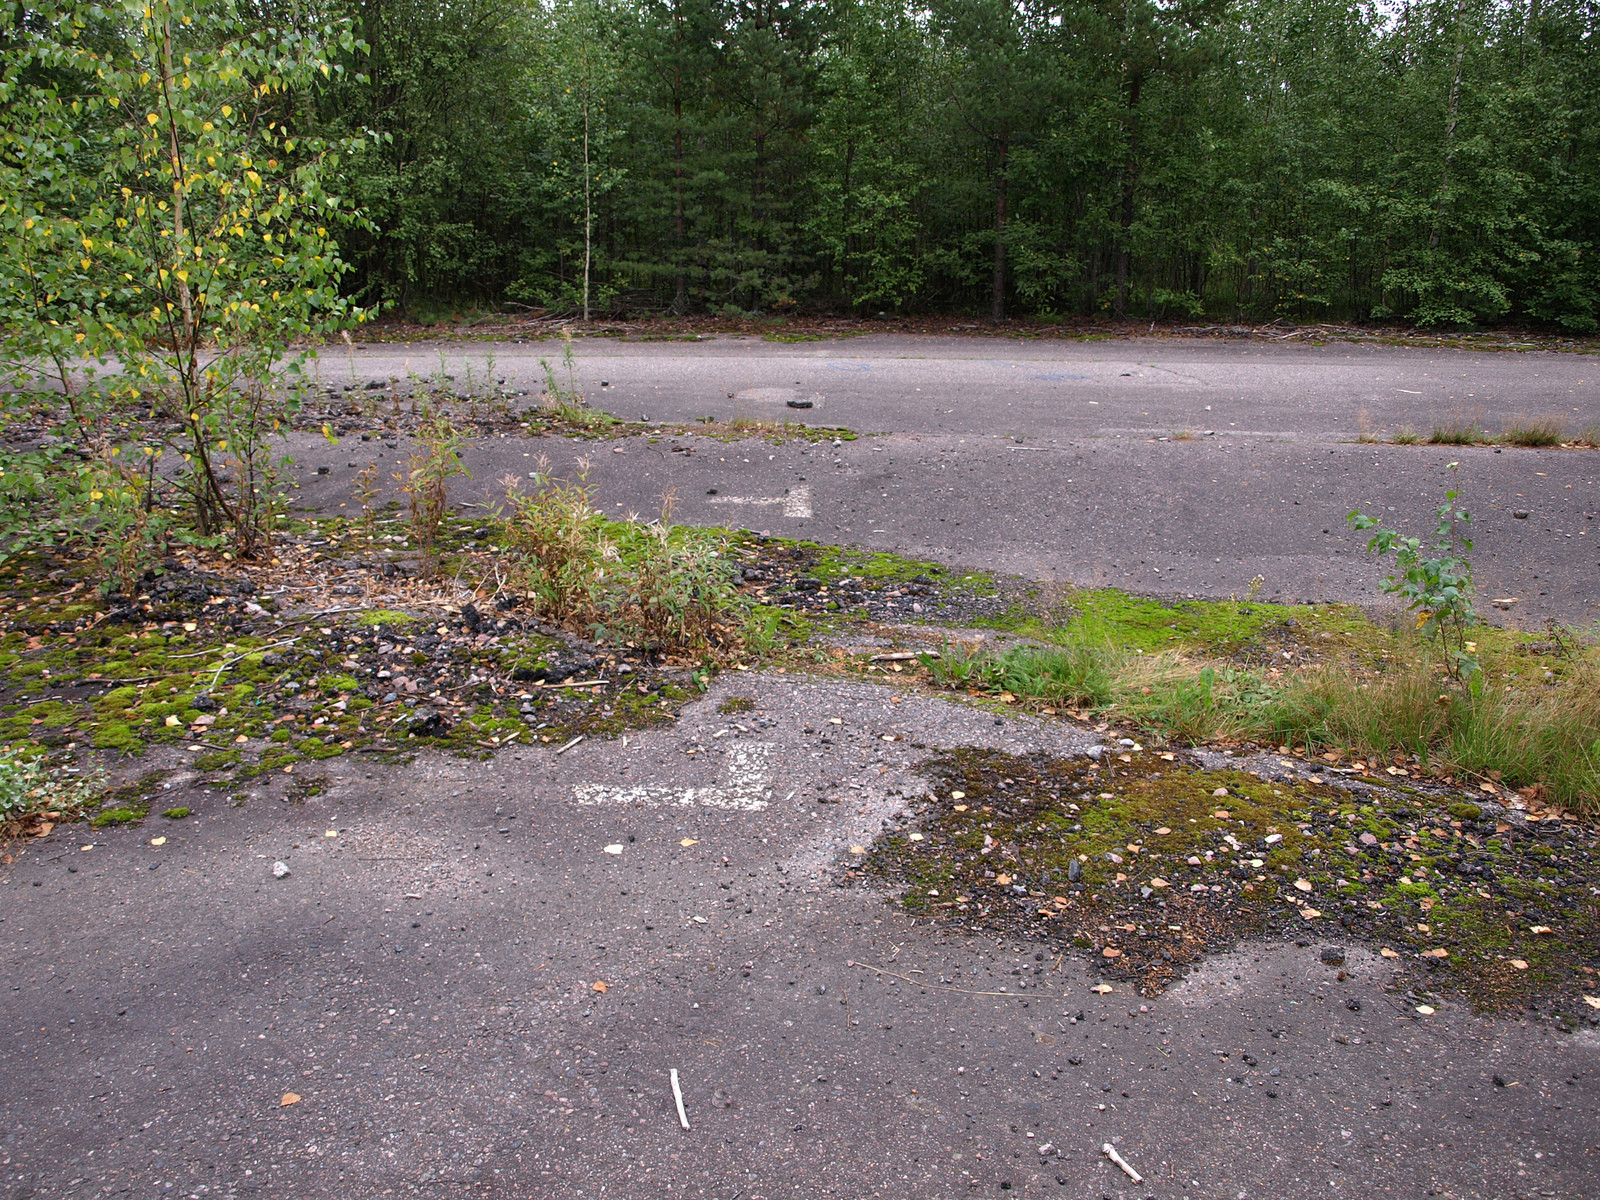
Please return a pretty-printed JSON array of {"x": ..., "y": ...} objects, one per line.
[
  {"x": 746, "y": 789},
  {"x": 797, "y": 503}
]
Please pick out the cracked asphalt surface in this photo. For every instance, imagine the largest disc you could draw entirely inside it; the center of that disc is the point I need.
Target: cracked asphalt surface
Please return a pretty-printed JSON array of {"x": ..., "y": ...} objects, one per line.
[
  {"x": 426, "y": 982},
  {"x": 1169, "y": 468}
]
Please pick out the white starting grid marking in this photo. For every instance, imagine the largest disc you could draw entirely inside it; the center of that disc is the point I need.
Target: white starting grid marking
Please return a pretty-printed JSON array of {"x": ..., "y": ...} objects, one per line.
[
  {"x": 746, "y": 789},
  {"x": 796, "y": 503}
]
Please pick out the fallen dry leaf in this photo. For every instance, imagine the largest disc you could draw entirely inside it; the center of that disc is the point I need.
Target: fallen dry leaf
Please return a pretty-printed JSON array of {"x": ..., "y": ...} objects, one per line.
[
  {"x": 1592, "y": 1001},
  {"x": 614, "y": 848},
  {"x": 1436, "y": 952},
  {"x": 858, "y": 849},
  {"x": 288, "y": 1099},
  {"x": 958, "y": 795},
  {"x": 1111, "y": 952},
  {"x": 1303, "y": 885},
  {"x": 1163, "y": 831},
  {"x": 1102, "y": 988},
  {"x": 1541, "y": 929},
  {"x": 689, "y": 842},
  {"x": 43, "y": 828},
  {"x": 1520, "y": 964},
  {"x": 1310, "y": 914},
  {"x": 1425, "y": 1009},
  {"x": 1388, "y": 953},
  {"x": 600, "y": 985},
  {"x": 158, "y": 841},
  {"x": 1002, "y": 881}
]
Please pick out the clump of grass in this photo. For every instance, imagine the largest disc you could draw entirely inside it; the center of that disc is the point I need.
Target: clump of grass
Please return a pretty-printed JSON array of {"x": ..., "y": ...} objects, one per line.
[
  {"x": 1458, "y": 433},
  {"x": 1590, "y": 437},
  {"x": 1545, "y": 736},
  {"x": 1545, "y": 431},
  {"x": 1407, "y": 436},
  {"x": 1364, "y": 434}
]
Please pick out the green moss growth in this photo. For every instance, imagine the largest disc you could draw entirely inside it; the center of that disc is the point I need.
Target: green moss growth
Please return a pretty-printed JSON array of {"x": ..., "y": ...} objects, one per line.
[
  {"x": 177, "y": 814},
  {"x": 217, "y": 760},
  {"x": 122, "y": 814},
  {"x": 116, "y": 735},
  {"x": 1168, "y": 870},
  {"x": 736, "y": 704},
  {"x": 271, "y": 760},
  {"x": 385, "y": 616}
]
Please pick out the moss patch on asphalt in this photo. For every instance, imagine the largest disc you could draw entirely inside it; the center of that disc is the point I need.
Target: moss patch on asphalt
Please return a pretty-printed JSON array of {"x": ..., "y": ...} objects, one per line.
[{"x": 1144, "y": 863}]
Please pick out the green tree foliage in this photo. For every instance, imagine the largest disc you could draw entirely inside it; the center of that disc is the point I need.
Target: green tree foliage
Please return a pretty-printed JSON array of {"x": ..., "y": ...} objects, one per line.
[{"x": 1435, "y": 161}]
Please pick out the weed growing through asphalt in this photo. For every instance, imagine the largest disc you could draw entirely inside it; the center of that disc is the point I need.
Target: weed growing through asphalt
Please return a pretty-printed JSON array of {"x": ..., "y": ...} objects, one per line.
[
  {"x": 672, "y": 590},
  {"x": 1438, "y": 588},
  {"x": 425, "y": 484},
  {"x": 33, "y": 789},
  {"x": 566, "y": 401}
]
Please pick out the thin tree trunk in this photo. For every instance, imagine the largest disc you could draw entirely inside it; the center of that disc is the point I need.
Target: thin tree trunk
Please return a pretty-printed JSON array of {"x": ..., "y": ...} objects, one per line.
[
  {"x": 179, "y": 183},
  {"x": 1125, "y": 224},
  {"x": 1450, "y": 120},
  {"x": 680, "y": 297},
  {"x": 588, "y": 212},
  {"x": 998, "y": 306}
]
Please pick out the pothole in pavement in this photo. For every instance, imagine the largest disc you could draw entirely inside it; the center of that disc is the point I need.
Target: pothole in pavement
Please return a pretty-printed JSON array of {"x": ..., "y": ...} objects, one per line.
[{"x": 1145, "y": 863}]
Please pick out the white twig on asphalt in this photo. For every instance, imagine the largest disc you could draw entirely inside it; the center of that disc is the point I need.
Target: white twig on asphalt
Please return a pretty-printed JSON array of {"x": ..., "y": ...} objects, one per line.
[
  {"x": 677, "y": 1094},
  {"x": 1111, "y": 1153},
  {"x": 570, "y": 744}
]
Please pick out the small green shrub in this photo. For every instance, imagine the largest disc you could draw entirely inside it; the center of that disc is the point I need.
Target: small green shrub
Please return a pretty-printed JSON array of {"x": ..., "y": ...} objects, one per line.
[{"x": 1437, "y": 588}]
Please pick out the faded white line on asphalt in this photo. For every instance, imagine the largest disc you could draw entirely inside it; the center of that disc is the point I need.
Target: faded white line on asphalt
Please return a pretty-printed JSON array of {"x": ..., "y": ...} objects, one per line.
[
  {"x": 796, "y": 502},
  {"x": 746, "y": 790}
]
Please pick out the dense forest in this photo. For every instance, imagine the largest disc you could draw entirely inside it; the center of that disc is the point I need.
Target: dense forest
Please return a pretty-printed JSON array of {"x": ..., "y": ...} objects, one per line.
[{"x": 1432, "y": 161}]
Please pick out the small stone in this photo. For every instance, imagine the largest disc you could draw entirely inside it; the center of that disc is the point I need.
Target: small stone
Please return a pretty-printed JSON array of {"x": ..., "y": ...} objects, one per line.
[
  {"x": 1368, "y": 839},
  {"x": 280, "y": 869},
  {"x": 1520, "y": 514},
  {"x": 1332, "y": 956},
  {"x": 1074, "y": 871}
]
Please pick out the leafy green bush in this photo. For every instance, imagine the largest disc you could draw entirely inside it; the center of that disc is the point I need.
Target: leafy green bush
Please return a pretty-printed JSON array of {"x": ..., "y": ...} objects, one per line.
[{"x": 160, "y": 207}]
